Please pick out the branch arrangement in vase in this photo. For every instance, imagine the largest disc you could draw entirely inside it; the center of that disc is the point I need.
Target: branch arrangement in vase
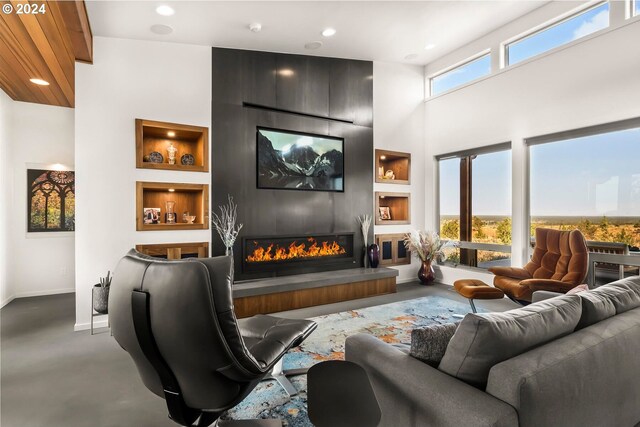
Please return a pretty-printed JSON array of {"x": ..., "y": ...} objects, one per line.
[
  {"x": 426, "y": 245},
  {"x": 225, "y": 224},
  {"x": 365, "y": 223}
]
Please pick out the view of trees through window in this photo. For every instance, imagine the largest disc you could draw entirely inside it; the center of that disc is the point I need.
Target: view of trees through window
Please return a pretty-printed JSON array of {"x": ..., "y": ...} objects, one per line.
[
  {"x": 489, "y": 215},
  {"x": 590, "y": 183}
]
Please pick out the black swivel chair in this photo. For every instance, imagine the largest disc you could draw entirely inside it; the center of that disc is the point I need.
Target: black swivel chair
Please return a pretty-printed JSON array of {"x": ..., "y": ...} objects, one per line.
[{"x": 176, "y": 320}]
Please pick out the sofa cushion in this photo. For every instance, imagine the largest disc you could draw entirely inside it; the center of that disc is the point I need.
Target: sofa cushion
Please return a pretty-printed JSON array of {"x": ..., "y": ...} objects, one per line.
[
  {"x": 624, "y": 298},
  {"x": 632, "y": 283},
  {"x": 595, "y": 308},
  {"x": 430, "y": 342},
  {"x": 483, "y": 340}
]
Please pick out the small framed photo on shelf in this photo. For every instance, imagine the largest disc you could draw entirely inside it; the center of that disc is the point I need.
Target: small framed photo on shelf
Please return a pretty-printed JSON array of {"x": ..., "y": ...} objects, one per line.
[
  {"x": 151, "y": 215},
  {"x": 385, "y": 213}
]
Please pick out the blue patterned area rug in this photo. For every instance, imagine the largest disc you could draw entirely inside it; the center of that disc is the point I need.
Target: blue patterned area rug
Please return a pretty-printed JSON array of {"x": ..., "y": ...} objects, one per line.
[{"x": 391, "y": 323}]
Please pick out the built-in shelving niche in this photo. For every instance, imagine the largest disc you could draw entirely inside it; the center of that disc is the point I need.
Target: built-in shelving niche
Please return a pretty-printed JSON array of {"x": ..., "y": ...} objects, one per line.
[
  {"x": 175, "y": 250},
  {"x": 396, "y": 205},
  {"x": 191, "y": 144},
  {"x": 398, "y": 163},
  {"x": 192, "y": 198}
]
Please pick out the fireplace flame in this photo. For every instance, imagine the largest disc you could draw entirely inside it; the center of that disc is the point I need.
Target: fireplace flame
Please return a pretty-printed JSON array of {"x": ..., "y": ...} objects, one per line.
[{"x": 295, "y": 250}]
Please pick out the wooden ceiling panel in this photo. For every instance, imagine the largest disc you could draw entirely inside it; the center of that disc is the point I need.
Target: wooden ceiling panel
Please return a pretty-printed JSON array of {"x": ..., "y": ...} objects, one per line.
[
  {"x": 42, "y": 46},
  {"x": 74, "y": 15}
]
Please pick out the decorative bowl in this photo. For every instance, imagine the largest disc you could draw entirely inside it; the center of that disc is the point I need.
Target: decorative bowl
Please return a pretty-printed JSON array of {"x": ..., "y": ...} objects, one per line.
[{"x": 187, "y": 159}]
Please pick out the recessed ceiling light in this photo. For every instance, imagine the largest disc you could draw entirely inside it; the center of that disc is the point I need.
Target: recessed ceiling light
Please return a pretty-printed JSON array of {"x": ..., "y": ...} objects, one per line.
[
  {"x": 313, "y": 45},
  {"x": 411, "y": 56},
  {"x": 171, "y": 133},
  {"x": 383, "y": 157},
  {"x": 165, "y": 10},
  {"x": 286, "y": 72},
  {"x": 429, "y": 46},
  {"x": 328, "y": 32},
  {"x": 163, "y": 30},
  {"x": 39, "y": 82},
  {"x": 171, "y": 190},
  {"x": 256, "y": 27}
]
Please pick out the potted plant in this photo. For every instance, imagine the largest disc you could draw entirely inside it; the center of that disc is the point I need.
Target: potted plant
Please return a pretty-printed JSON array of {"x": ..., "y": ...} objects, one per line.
[
  {"x": 100, "y": 296},
  {"x": 427, "y": 246}
]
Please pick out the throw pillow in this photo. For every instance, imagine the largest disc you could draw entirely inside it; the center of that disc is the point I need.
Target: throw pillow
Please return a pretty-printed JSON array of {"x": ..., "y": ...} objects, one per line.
[
  {"x": 484, "y": 340},
  {"x": 430, "y": 343},
  {"x": 578, "y": 289}
]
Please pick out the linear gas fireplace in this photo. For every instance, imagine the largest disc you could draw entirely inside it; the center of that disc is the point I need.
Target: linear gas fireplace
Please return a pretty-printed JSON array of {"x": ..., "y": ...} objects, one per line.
[{"x": 296, "y": 253}]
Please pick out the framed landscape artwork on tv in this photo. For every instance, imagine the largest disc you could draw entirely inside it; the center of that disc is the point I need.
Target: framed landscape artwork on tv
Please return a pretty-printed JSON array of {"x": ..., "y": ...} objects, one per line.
[{"x": 290, "y": 160}]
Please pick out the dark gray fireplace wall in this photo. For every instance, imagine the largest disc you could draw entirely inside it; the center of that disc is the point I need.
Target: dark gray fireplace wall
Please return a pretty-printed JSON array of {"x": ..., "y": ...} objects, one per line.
[{"x": 303, "y": 86}]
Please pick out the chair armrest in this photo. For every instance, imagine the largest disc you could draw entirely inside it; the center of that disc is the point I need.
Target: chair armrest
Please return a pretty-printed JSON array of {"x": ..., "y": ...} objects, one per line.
[
  {"x": 544, "y": 295},
  {"x": 547, "y": 285},
  {"x": 514, "y": 272},
  {"x": 412, "y": 393}
]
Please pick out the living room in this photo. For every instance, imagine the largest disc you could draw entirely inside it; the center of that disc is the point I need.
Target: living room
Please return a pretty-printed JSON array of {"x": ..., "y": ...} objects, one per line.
[{"x": 320, "y": 145}]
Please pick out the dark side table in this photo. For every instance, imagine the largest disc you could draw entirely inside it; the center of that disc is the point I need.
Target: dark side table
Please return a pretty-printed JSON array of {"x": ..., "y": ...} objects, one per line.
[{"x": 340, "y": 395}]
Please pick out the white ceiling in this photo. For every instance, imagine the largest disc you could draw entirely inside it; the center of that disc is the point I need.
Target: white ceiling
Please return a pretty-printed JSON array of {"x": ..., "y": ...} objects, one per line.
[{"x": 368, "y": 30}]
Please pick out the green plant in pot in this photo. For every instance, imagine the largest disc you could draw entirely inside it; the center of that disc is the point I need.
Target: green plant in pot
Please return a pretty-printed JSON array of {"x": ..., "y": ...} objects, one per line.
[{"x": 100, "y": 295}]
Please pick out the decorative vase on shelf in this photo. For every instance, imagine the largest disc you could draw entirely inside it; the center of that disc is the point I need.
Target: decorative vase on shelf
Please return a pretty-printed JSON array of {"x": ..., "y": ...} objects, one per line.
[
  {"x": 426, "y": 273},
  {"x": 170, "y": 206},
  {"x": 373, "y": 255},
  {"x": 365, "y": 257},
  {"x": 100, "y": 298}
]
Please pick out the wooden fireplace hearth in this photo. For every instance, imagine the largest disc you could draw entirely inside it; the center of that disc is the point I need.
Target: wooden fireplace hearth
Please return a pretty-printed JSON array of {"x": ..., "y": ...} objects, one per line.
[{"x": 307, "y": 290}]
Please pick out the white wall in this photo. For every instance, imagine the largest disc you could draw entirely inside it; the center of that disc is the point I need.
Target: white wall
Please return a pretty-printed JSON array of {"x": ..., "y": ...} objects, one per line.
[
  {"x": 37, "y": 137},
  {"x": 129, "y": 79},
  {"x": 398, "y": 111},
  {"x": 592, "y": 81},
  {"x": 7, "y": 292}
]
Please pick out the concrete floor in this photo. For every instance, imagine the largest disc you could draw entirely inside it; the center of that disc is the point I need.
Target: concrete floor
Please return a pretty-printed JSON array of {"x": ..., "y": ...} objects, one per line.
[{"x": 54, "y": 377}]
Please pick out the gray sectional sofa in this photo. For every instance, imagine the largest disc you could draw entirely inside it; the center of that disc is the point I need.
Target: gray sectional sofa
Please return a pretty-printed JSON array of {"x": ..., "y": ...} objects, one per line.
[{"x": 585, "y": 372}]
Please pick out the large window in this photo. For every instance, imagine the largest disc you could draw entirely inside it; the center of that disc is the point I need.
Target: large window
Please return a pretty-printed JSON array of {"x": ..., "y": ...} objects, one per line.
[
  {"x": 582, "y": 24},
  {"x": 457, "y": 76},
  {"x": 636, "y": 7},
  {"x": 475, "y": 205},
  {"x": 589, "y": 180}
]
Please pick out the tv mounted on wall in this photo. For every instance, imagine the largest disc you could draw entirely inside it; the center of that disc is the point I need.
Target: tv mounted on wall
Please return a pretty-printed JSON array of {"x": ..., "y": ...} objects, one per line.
[{"x": 289, "y": 160}]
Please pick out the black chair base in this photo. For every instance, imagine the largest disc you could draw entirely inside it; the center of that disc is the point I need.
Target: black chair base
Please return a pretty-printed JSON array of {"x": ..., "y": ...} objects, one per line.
[{"x": 281, "y": 375}]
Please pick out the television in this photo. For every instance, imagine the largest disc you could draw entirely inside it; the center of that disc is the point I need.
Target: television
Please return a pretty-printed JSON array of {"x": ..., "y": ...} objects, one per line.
[{"x": 289, "y": 160}]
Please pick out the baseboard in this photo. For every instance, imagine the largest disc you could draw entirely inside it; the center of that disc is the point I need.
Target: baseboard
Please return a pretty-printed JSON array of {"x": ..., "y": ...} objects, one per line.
[
  {"x": 103, "y": 323},
  {"x": 7, "y": 301},
  {"x": 43, "y": 293}
]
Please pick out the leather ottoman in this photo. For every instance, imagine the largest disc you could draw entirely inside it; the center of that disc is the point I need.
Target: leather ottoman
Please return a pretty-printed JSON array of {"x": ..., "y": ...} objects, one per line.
[{"x": 476, "y": 289}]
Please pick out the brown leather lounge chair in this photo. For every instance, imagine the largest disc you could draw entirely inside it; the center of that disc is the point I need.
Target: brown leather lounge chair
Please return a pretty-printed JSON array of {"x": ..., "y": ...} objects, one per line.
[
  {"x": 176, "y": 320},
  {"x": 559, "y": 263}
]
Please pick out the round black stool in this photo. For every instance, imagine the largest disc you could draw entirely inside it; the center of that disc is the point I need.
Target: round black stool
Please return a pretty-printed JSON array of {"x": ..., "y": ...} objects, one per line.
[{"x": 340, "y": 395}]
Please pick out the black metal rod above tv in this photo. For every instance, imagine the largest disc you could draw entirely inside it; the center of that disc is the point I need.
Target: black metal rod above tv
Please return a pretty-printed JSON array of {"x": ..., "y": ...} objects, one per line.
[{"x": 297, "y": 113}]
